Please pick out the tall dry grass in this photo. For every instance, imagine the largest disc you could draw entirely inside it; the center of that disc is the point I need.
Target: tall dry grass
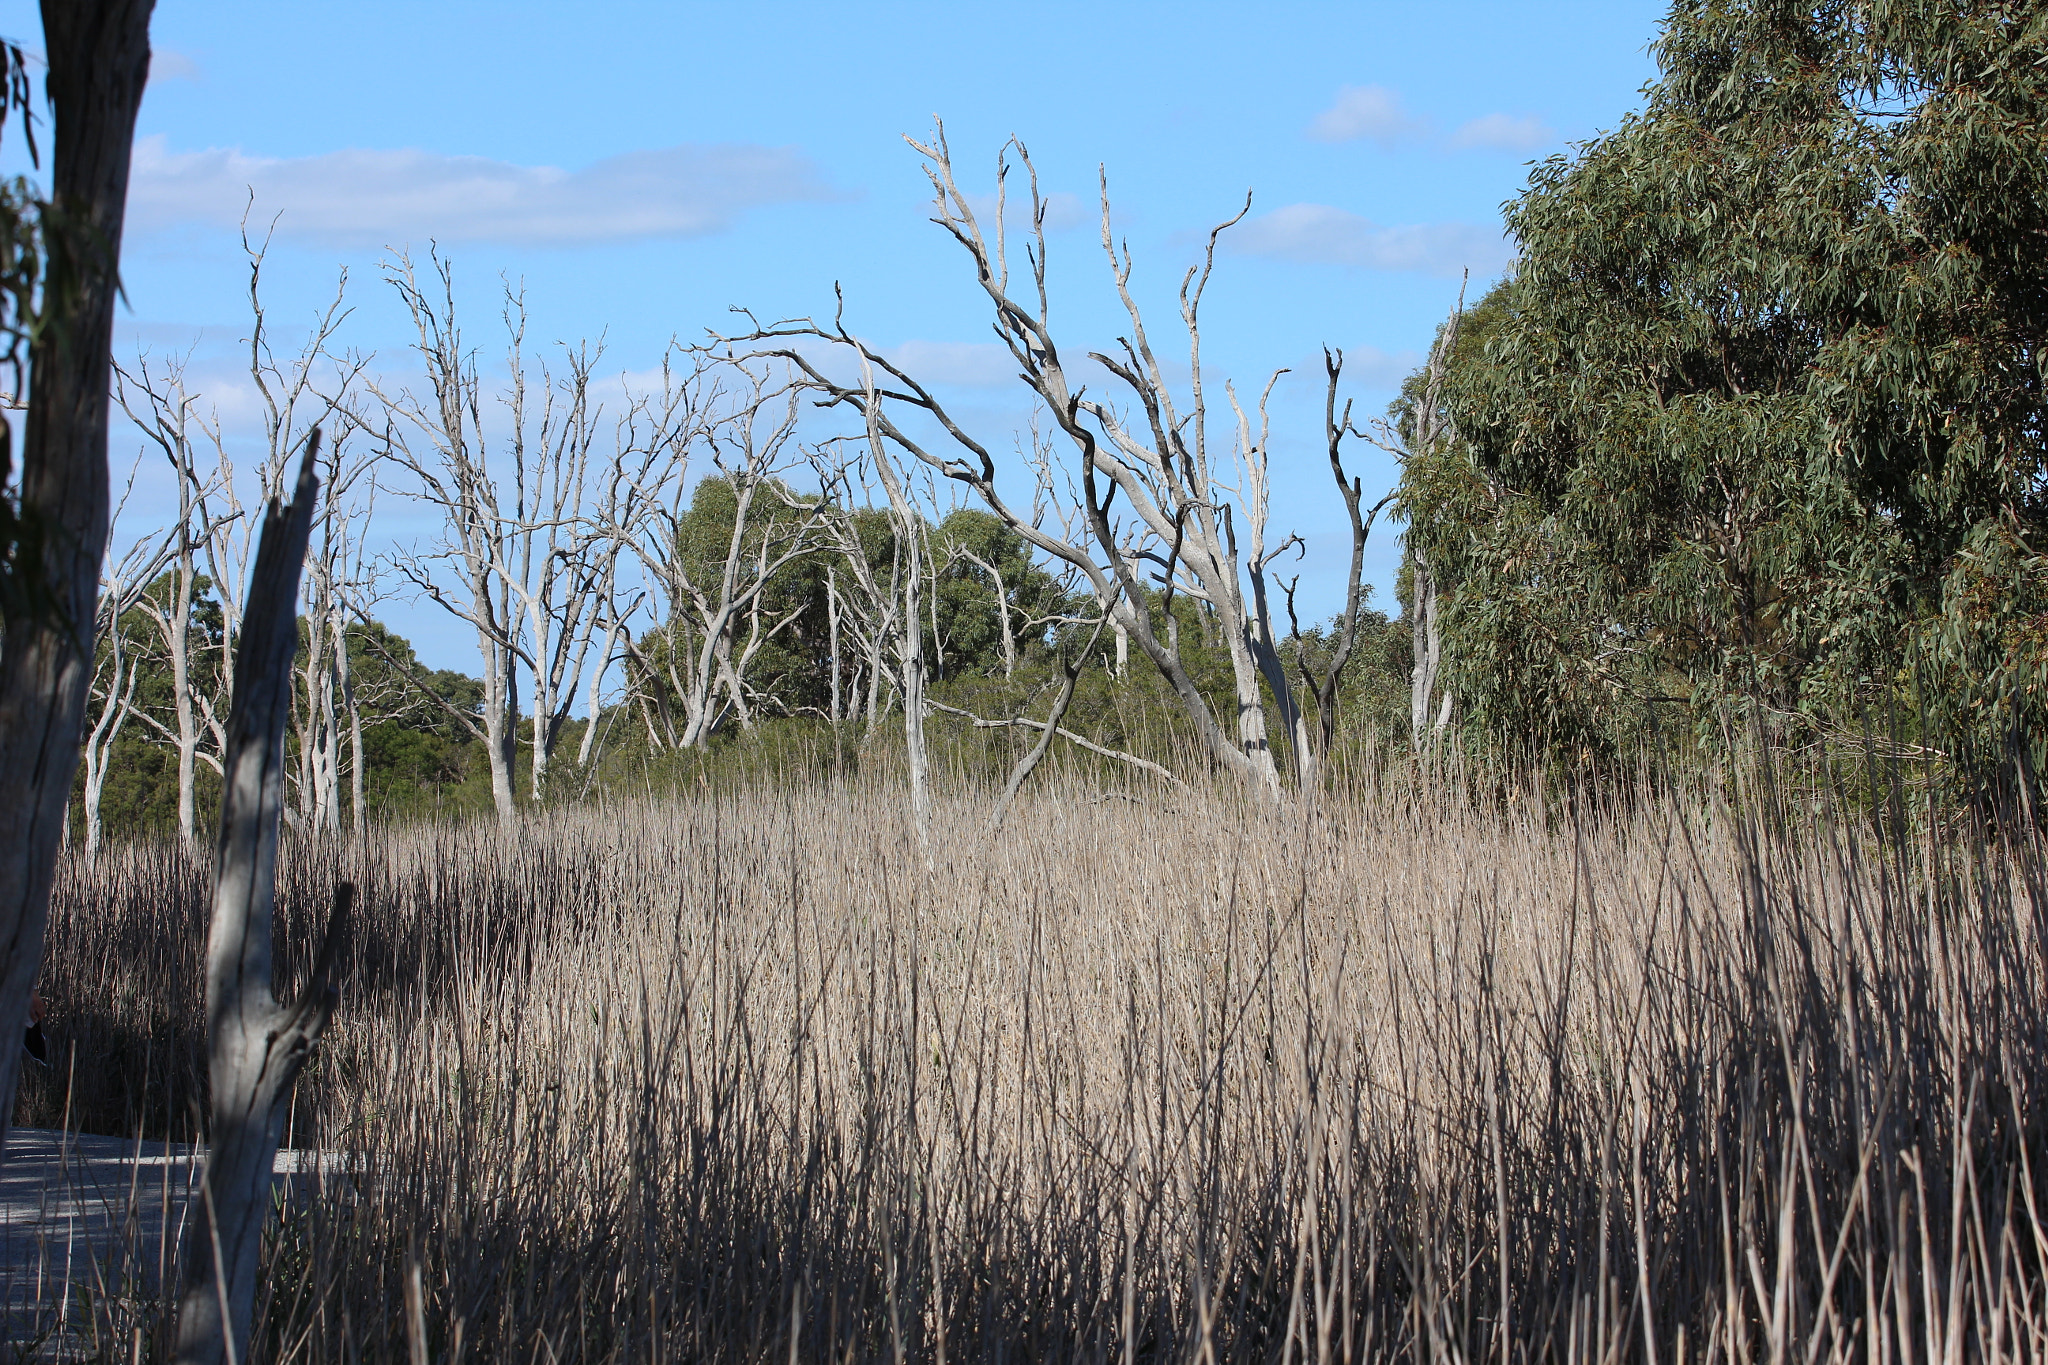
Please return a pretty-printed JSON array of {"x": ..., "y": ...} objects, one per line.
[{"x": 1674, "y": 1078}]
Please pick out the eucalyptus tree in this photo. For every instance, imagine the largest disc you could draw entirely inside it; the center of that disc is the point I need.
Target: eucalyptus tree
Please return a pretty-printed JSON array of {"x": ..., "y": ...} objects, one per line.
[{"x": 1756, "y": 419}]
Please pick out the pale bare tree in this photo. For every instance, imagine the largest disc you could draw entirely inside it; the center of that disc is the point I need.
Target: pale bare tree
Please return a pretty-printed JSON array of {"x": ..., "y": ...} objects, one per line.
[
  {"x": 1429, "y": 427},
  {"x": 1188, "y": 526},
  {"x": 326, "y": 717},
  {"x": 216, "y": 536},
  {"x": 616, "y": 632},
  {"x": 1006, "y": 633},
  {"x": 718, "y": 615},
  {"x": 454, "y": 476},
  {"x": 156, "y": 399},
  {"x": 561, "y": 566},
  {"x": 117, "y": 669},
  {"x": 867, "y": 608},
  {"x": 907, "y": 521},
  {"x": 530, "y": 575}
]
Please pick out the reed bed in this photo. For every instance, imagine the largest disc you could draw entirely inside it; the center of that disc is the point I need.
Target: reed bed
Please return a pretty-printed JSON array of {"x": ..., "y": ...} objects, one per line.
[{"x": 753, "y": 1075}]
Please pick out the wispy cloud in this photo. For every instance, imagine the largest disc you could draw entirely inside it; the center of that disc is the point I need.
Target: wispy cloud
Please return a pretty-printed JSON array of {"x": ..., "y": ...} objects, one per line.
[
  {"x": 1505, "y": 133},
  {"x": 1318, "y": 234},
  {"x": 168, "y": 65},
  {"x": 1368, "y": 367},
  {"x": 967, "y": 364},
  {"x": 373, "y": 197},
  {"x": 1374, "y": 113},
  {"x": 1062, "y": 211},
  {"x": 1368, "y": 113}
]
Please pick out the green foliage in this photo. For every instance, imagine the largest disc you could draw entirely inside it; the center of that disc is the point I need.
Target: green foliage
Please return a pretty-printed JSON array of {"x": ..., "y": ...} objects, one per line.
[
  {"x": 970, "y": 625},
  {"x": 1756, "y": 424},
  {"x": 417, "y": 757}
]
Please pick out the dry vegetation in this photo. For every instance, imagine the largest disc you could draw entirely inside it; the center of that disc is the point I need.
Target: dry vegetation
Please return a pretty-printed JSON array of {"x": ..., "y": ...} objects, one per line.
[{"x": 1687, "y": 1077}]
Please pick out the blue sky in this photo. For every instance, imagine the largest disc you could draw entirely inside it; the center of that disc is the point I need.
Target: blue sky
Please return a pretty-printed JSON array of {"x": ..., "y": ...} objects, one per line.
[{"x": 644, "y": 167}]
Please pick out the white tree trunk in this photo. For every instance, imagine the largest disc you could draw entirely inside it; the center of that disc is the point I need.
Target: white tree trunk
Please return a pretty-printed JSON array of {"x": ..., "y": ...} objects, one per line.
[{"x": 1426, "y": 637}]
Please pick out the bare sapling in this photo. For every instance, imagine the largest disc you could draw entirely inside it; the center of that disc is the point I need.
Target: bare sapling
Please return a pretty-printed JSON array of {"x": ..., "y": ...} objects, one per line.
[
  {"x": 1322, "y": 684},
  {"x": 1197, "y": 515},
  {"x": 255, "y": 1046}
]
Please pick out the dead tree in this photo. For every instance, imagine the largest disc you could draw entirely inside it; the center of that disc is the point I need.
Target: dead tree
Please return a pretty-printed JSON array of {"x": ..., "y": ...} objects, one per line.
[
  {"x": 1428, "y": 427},
  {"x": 719, "y": 614},
  {"x": 910, "y": 541},
  {"x": 1008, "y": 634},
  {"x": 98, "y": 55},
  {"x": 325, "y": 716},
  {"x": 559, "y": 569},
  {"x": 456, "y": 479},
  {"x": 157, "y": 401},
  {"x": 863, "y": 607},
  {"x": 116, "y": 669},
  {"x": 869, "y": 608},
  {"x": 1188, "y": 527},
  {"x": 255, "y": 1046},
  {"x": 1323, "y": 688},
  {"x": 217, "y": 536}
]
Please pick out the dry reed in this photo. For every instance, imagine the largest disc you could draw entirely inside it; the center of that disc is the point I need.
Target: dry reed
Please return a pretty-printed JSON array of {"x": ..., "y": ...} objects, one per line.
[{"x": 736, "y": 1077}]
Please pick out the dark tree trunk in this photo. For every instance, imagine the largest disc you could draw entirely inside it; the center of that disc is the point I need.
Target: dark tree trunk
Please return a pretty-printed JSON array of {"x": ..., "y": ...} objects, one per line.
[{"x": 99, "y": 61}]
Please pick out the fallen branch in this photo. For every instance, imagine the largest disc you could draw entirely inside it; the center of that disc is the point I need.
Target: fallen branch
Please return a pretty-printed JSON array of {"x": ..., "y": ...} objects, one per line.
[{"x": 1090, "y": 745}]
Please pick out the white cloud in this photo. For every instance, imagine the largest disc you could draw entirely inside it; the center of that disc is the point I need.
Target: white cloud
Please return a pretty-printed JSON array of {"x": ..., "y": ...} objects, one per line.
[
  {"x": 375, "y": 198},
  {"x": 966, "y": 364},
  {"x": 1368, "y": 112},
  {"x": 1367, "y": 367},
  {"x": 1504, "y": 132},
  {"x": 167, "y": 65},
  {"x": 1374, "y": 113},
  {"x": 1318, "y": 234}
]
